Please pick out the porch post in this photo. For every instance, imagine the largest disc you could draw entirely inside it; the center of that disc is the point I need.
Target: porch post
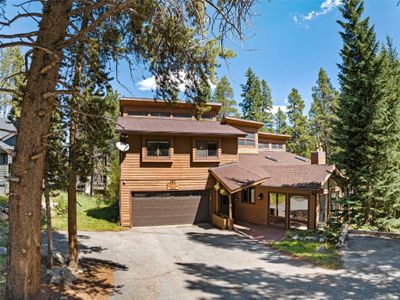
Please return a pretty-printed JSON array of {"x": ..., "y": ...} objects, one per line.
[{"x": 230, "y": 221}]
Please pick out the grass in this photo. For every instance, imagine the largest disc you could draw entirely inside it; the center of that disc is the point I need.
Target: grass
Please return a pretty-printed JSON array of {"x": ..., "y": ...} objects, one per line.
[
  {"x": 307, "y": 250},
  {"x": 93, "y": 214}
]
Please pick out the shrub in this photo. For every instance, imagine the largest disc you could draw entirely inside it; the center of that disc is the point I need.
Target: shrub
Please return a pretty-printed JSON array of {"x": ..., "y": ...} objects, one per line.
[
  {"x": 61, "y": 206},
  {"x": 3, "y": 201}
]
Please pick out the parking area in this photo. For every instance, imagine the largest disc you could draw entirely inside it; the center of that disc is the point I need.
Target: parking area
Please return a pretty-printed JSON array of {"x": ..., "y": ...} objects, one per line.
[{"x": 192, "y": 262}]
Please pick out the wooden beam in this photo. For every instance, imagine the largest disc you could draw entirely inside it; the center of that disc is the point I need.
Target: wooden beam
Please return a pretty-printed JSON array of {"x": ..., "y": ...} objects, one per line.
[{"x": 230, "y": 221}]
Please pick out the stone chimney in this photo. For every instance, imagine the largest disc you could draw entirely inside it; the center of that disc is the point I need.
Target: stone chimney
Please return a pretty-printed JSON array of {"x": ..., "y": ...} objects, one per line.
[{"x": 318, "y": 157}]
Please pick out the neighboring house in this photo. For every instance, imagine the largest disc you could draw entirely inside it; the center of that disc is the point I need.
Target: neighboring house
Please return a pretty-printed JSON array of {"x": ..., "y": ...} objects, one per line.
[
  {"x": 182, "y": 171},
  {"x": 8, "y": 134}
]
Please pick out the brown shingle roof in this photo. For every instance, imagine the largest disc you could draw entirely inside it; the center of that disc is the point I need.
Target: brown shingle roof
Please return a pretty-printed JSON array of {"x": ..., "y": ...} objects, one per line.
[
  {"x": 235, "y": 177},
  {"x": 175, "y": 126},
  {"x": 309, "y": 177},
  {"x": 273, "y": 169}
]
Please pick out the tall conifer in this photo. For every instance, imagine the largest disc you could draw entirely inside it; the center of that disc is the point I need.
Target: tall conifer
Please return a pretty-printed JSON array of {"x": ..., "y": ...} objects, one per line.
[{"x": 223, "y": 94}]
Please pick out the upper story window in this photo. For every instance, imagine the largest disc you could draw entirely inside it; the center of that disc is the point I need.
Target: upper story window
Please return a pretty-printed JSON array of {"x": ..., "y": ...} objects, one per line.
[
  {"x": 3, "y": 159},
  {"x": 137, "y": 113},
  {"x": 205, "y": 149},
  {"x": 249, "y": 140},
  {"x": 158, "y": 149},
  {"x": 183, "y": 116},
  {"x": 275, "y": 146},
  {"x": 161, "y": 114},
  {"x": 263, "y": 146},
  {"x": 248, "y": 195}
]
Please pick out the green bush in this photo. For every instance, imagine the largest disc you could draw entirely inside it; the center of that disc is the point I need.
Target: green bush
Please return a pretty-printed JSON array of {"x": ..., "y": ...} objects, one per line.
[
  {"x": 389, "y": 224},
  {"x": 3, "y": 201},
  {"x": 61, "y": 206}
]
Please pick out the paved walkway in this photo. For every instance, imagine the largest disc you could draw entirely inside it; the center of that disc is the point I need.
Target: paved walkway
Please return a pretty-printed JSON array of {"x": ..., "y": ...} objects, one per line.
[
  {"x": 263, "y": 234},
  {"x": 205, "y": 263}
]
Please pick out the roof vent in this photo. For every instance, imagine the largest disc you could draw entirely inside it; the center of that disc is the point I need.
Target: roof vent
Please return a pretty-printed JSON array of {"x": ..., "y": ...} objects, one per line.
[
  {"x": 273, "y": 159},
  {"x": 301, "y": 158}
]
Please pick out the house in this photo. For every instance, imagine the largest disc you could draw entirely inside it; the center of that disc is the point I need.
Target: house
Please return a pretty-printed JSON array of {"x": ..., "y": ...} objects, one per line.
[
  {"x": 8, "y": 134},
  {"x": 179, "y": 170}
]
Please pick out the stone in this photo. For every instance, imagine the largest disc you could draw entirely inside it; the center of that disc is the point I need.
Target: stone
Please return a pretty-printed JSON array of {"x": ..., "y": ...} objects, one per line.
[
  {"x": 59, "y": 257},
  {"x": 69, "y": 276},
  {"x": 60, "y": 276},
  {"x": 321, "y": 249},
  {"x": 3, "y": 216},
  {"x": 3, "y": 250},
  {"x": 321, "y": 240}
]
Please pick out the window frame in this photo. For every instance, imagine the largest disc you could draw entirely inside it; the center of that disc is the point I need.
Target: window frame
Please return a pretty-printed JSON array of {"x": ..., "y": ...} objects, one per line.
[
  {"x": 251, "y": 195},
  {"x": 207, "y": 158},
  {"x": 248, "y": 139},
  {"x": 158, "y": 158}
]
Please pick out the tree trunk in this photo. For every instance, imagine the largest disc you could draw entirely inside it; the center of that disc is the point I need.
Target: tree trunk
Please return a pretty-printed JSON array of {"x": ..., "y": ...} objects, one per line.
[
  {"x": 91, "y": 183},
  {"x": 48, "y": 222},
  {"x": 72, "y": 220},
  {"x": 105, "y": 175},
  {"x": 26, "y": 182}
]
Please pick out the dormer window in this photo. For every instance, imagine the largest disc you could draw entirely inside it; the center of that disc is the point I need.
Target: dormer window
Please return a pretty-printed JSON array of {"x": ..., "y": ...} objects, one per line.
[{"x": 249, "y": 140}]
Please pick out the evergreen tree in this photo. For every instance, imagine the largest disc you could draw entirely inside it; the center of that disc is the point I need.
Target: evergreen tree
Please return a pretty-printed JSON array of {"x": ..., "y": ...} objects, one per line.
[
  {"x": 267, "y": 115},
  {"x": 322, "y": 112},
  {"x": 300, "y": 140},
  {"x": 359, "y": 132},
  {"x": 223, "y": 94},
  {"x": 252, "y": 98},
  {"x": 280, "y": 122}
]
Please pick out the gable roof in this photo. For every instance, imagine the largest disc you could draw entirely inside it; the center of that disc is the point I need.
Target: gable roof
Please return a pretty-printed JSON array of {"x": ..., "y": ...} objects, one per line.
[
  {"x": 7, "y": 129},
  {"x": 175, "y": 126},
  {"x": 278, "y": 169}
]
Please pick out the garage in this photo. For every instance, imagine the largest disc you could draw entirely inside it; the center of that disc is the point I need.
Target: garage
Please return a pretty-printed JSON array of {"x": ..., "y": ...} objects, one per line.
[{"x": 170, "y": 208}]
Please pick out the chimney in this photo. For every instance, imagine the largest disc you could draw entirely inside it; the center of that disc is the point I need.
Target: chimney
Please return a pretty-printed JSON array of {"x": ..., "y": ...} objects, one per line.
[{"x": 318, "y": 157}]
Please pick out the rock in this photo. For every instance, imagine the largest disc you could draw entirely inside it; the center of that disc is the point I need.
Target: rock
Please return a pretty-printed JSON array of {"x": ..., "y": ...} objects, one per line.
[
  {"x": 321, "y": 249},
  {"x": 295, "y": 238},
  {"x": 321, "y": 240},
  {"x": 3, "y": 250},
  {"x": 60, "y": 276},
  {"x": 59, "y": 257},
  {"x": 3, "y": 216},
  {"x": 56, "y": 276}
]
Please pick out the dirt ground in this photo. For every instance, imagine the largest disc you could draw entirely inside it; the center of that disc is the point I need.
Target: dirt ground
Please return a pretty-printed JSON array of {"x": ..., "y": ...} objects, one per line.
[{"x": 95, "y": 282}]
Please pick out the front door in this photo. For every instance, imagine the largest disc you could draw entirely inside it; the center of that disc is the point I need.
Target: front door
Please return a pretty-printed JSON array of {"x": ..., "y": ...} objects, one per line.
[{"x": 277, "y": 209}]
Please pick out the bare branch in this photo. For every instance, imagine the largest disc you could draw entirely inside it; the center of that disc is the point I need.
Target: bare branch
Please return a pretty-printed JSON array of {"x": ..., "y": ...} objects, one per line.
[
  {"x": 19, "y": 35},
  {"x": 60, "y": 92},
  {"x": 19, "y": 16},
  {"x": 11, "y": 91}
]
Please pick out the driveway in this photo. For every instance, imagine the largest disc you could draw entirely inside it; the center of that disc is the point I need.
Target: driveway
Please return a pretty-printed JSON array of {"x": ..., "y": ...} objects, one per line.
[{"x": 191, "y": 262}]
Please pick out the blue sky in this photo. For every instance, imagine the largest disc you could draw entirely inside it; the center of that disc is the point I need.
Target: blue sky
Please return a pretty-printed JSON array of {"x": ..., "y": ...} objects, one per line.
[
  {"x": 289, "y": 54},
  {"x": 288, "y": 42}
]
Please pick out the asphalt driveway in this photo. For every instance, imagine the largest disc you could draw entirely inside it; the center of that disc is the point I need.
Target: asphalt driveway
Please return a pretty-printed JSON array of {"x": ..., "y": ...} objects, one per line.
[{"x": 191, "y": 262}]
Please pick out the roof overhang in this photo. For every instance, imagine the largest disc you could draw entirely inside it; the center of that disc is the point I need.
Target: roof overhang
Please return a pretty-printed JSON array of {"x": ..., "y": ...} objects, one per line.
[{"x": 241, "y": 122}]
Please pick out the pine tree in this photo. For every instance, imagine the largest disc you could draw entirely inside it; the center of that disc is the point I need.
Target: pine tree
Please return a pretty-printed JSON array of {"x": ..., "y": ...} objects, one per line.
[
  {"x": 360, "y": 128},
  {"x": 223, "y": 94},
  {"x": 280, "y": 122},
  {"x": 300, "y": 140},
  {"x": 252, "y": 98},
  {"x": 266, "y": 110},
  {"x": 322, "y": 112}
]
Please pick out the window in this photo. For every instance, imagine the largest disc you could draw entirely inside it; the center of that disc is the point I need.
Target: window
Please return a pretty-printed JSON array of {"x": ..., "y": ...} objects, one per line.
[
  {"x": 298, "y": 212},
  {"x": 161, "y": 114},
  {"x": 263, "y": 146},
  {"x": 334, "y": 202},
  {"x": 137, "y": 113},
  {"x": 323, "y": 209},
  {"x": 248, "y": 195},
  {"x": 206, "y": 149},
  {"x": 277, "y": 209},
  {"x": 3, "y": 159},
  {"x": 249, "y": 140},
  {"x": 183, "y": 116},
  {"x": 276, "y": 146},
  {"x": 157, "y": 148}
]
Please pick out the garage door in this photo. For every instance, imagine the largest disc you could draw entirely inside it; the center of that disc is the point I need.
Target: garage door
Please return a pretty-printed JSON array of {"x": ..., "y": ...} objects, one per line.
[{"x": 170, "y": 208}]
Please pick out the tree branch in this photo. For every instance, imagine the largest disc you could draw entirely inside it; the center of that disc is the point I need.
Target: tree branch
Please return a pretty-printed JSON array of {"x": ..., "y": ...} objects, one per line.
[
  {"x": 19, "y": 35},
  {"x": 11, "y": 91},
  {"x": 19, "y": 16}
]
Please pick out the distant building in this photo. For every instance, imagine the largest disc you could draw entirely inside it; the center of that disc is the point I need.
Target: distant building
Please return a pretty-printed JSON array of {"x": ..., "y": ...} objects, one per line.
[{"x": 8, "y": 134}]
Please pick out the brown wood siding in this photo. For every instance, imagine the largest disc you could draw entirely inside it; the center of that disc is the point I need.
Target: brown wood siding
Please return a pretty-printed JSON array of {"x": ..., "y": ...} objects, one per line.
[
  {"x": 254, "y": 213},
  {"x": 153, "y": 176}
]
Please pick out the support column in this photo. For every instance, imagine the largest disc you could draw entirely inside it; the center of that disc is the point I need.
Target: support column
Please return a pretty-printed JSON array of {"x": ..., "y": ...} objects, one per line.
[{"x": 230, "y": 221}]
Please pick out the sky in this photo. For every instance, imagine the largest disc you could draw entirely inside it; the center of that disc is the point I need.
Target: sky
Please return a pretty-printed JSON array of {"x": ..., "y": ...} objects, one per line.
[
  {"x": 290, "y": 40},
  {"x": 287, "y": 44}
]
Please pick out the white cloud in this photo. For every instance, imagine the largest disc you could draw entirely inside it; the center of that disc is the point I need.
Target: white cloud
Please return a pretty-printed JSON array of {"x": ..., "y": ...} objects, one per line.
[
  {"x": 325, "y": 7},
  {"x": 275, "y": 108},
  {"x": 150, "y": 84}
]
